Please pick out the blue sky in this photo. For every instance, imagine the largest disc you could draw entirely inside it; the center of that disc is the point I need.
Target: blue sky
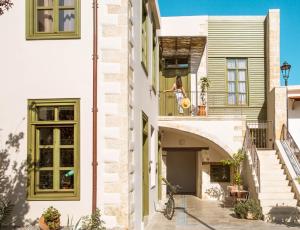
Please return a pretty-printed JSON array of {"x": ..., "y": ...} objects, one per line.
[{"x": 289, "y": 24}]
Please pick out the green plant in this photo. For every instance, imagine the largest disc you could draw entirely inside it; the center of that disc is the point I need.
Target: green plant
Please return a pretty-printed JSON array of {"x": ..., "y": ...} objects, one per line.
[
  {"x": 236, "y": 162},
  {"x": 298, "y": 179},
  {"x": 204, "y": 86},
  {"x": 52, "y": 218},
  {"x": 6, "y": 209},
  {"x": 93, "y": 222},
  {"x": 248, "y": 208}
]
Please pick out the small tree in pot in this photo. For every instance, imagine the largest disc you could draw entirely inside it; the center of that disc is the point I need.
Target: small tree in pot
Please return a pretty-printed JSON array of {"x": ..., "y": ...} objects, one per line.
[
  {"x": 204, "y": 86},
  {"x": 235, "y": 162},
  {"x": 50, "y": 219}
]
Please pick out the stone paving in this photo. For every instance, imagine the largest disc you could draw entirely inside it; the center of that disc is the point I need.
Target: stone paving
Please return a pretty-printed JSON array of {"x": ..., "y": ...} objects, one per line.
[{"x": 193, "y": 213}]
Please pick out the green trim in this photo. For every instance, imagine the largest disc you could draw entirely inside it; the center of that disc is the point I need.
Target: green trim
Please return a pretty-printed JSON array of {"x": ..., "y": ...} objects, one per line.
[
  {"x": 35, "y": 193},
  {"x": 31, "y": 16},
  {"x": 154, "y": 55},
  {"x": 144, "y": 37},
  {"x": 145, "y": 163}
]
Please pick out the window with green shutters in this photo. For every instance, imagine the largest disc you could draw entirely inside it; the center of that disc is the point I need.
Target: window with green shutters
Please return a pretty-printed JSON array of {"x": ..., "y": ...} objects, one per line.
[
  {"x": 52, "y": 19},
  {"x": 237, "y": 81},
  {"x": 144, "y": 36},
  {"x": 154, "y": 56},
  {"x": 53, "y": 150}
]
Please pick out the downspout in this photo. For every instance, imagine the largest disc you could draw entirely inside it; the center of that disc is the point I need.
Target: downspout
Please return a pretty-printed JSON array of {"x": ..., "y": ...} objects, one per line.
[{"x": 95, "y": 108}]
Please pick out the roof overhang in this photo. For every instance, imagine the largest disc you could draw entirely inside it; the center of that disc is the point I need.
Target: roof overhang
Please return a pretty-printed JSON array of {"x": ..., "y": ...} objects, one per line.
[{"x": 190, "y": 47}]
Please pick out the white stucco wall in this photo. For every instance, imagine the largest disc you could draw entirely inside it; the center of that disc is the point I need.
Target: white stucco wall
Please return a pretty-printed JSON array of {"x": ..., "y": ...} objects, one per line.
[
  {"x": 47, "y": 69},
  {"x": 294, "y": 113},
  {"x": 145, "y": 100},
  {"x": 177, "y": 26}
]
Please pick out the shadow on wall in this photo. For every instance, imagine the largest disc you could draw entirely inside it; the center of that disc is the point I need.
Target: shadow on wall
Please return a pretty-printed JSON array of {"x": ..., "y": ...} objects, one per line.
[
  {"x": 13, "y": 182},
  {"x": 286, "y": 215},
  {"x": 216, "y": 192}
]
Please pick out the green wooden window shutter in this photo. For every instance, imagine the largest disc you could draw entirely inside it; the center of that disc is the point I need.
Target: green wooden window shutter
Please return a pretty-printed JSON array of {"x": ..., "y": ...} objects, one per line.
[
  {"x": 144, "y": 36},
  {"x": 154, "y": 57},
  {"x": 52, "y": 19},
  {"x": 53, "y": 149}
]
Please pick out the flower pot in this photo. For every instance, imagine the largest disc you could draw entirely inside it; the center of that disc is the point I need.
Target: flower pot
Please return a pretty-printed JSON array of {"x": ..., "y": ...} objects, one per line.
[
  {"x": 201, "y": 110},
  {"x": 42, "y": 224}
]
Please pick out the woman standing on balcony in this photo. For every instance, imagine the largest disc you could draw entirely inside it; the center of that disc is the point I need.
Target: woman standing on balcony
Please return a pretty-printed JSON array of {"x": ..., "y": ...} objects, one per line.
[{"x": 178, "y": 89}]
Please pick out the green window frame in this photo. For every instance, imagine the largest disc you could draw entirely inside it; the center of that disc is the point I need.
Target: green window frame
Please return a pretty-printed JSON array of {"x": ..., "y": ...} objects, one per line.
[
  {"x": 144, "y": 36},
  {"x": 154, "y": 55},
  {"x": 236, "y": 76},
  {"x": 52, "y": 19},
  {"x": 53, "y": 149},
  {"x": 219, "y": 173}
]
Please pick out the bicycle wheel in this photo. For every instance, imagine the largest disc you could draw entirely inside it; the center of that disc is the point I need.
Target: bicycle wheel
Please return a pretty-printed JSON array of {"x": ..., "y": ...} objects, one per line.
[{"x": 170, "y": 206}]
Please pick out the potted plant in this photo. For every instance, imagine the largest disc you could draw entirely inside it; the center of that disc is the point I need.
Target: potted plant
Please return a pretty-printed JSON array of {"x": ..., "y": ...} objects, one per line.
[
  {"x": 235, "y": 163},
  {"x": 249, "y": 209},
  {"x": 50, "y": 219},
  {"x": 204, "y": 86}
]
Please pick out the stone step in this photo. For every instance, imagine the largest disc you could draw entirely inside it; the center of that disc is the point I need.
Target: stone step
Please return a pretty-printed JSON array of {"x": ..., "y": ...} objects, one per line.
[
  {"x": 273, "y": 173},
  {"x": 270, "y": 179},
  {"x": 275, "y": 189},
  {"x": 266, "y": 152},
  {"x": 278, "y": 202},
  {"x": 276, "y": 195}
]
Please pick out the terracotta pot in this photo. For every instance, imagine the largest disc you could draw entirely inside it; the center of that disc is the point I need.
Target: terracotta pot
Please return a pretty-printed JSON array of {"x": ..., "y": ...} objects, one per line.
[
  {"x": 42, "y": 224},
  {"x": 201, "y": 110}
]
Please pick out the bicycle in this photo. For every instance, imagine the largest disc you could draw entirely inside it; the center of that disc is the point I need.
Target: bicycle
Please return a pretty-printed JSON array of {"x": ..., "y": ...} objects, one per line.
[{"x": 170, "y": 204}]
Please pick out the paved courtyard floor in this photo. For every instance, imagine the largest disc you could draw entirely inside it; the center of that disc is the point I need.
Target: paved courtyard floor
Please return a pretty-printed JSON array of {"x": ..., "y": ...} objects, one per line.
[{"x": 192, "y": 213}]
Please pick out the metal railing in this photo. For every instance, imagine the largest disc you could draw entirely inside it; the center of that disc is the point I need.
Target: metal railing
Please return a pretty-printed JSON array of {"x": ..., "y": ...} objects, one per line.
[
  {"x": 168, "y": 105},
  {"x": 261, "y": 133},
  {"x": 291, "y": 149},
  {"x": 250, "y": 147},
  {"x": 212, "y": 99}
]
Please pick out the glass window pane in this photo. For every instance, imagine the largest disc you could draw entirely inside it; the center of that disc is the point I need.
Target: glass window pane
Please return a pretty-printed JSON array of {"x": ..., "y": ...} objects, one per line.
[
  {"x": 45, "y": 113},
  {"x": 66, "y": 157},
  {"x": 242, "y": 99},
  {"x": 46, "y": 136},
  {"x": 231, "y": 64},
  {"x": 231, "y": 87},
  {"x": 242, "y": 63},
  {"x": 67, "y": 136},
  {"x": 67, "y": 20},
  {"x": 66, "y": 179},
  {"x": 242, "y": 87},
  {"x": 46, "y": 180},
  {"x": 46, "y": 157},
  {"x": 231, "y": 75},
  {"x": 242, "y": 75},
  {"x": 66, "y": 2},
  {"x": 219, "y": 173},
  {"x": 66, "y": 113},
  {"x": 45, "y": 3},
  {"x": 231, "y": 99},
  {"x": 45, "y": 21}
]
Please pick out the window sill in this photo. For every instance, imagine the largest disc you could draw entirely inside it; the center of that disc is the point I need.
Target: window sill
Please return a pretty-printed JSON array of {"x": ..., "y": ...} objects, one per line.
[{"x": 52, "y": 36}]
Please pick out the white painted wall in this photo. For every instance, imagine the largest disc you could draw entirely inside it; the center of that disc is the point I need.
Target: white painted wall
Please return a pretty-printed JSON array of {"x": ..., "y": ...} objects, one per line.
[
  {"x": 294, "y": 113},
  {"x": 177, "y": 26},
  {"x": 47, "y": 69},
  {"x": 145, "y": 100}
]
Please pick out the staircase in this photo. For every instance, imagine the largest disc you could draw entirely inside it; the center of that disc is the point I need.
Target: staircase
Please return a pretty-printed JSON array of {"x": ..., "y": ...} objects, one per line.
[{"x": 276, "y": 198}]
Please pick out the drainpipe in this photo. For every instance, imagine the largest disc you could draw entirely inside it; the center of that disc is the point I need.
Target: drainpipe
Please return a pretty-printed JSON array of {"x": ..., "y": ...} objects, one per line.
[{"x": 95, "y": 108}]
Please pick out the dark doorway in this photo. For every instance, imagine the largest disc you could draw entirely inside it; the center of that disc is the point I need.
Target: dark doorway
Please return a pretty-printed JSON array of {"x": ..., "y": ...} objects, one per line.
[{"x": 181, "y": 170}]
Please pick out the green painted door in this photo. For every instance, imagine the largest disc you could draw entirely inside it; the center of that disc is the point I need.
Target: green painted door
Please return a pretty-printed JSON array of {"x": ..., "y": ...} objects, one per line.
[
  {"x": 145, "y": 167},
  {"x": 159, "y": 155},
  {"x": 168, "y": 105}
]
